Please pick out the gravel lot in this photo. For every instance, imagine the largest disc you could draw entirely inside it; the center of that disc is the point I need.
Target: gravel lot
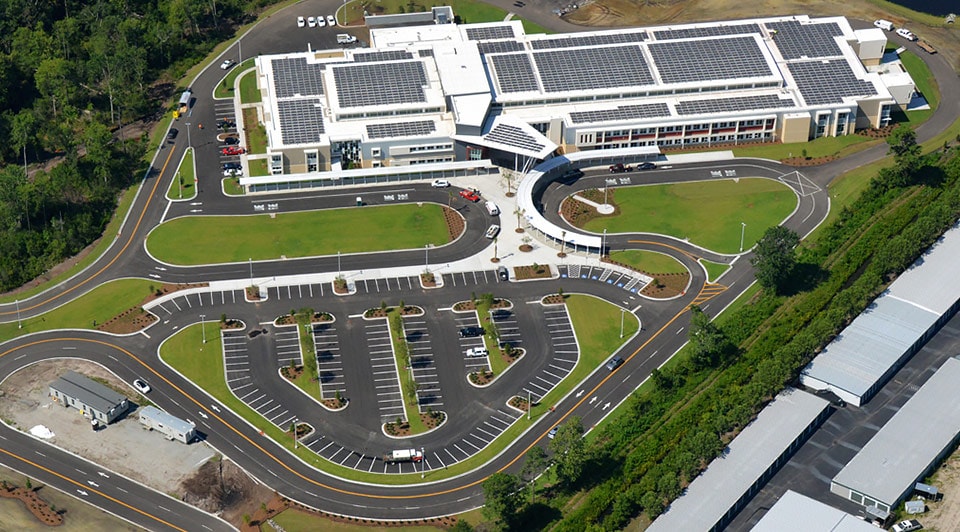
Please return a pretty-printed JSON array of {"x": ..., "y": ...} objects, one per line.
[{"x": 24, "y": 403}]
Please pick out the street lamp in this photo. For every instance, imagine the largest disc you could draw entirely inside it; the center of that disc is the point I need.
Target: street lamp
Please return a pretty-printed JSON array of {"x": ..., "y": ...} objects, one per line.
[
  {"x": 743, "y": 228},
  {"x": 19, "y": 323},
  {"x": 189, "y": 144},
  {"x": 603, "y": 240},
  {"x": 203, "y": 328},
  {"x": 423, "y": 463},
  {"x": 426, "y": 252},
  {"x": 529, "y": 404},
  {"x": 339, "y": 269},
  {"x": 622, "y": 312},
  {"x": 295, "y": 433},
  {"x": 250, "y": 261},
  {"x": 240, "y": 55}
]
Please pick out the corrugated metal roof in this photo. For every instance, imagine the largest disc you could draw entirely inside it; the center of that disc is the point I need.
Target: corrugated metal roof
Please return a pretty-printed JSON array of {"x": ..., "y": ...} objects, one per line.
[
  {"x": 89, "y": 392},
  {"x": 710, "y": 496},
  {"x": 932, "y": 282},
  {"x": 895, "y": 458},
  {"x": 798, "y": 513}
]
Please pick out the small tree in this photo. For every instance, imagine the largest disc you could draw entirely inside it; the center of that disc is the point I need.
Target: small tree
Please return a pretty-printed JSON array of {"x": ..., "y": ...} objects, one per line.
[
  {"x": 500, "y": 493},
  {"x": 774, "y": 257}
]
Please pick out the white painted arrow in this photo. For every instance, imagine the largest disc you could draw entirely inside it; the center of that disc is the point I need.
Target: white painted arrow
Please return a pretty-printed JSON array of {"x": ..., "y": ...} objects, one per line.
[
  {"x": 204, "y": 416},
  {"x": 81, "y": 492},
  {"x": 579, "y": 393},
  {"x": 214, "y": 407},
  {"x": 606, "y": 406},
  {"x": 593, "y": 399},
  {"x": 102, "y": 474},
  {"x": 92, "y": 483}
]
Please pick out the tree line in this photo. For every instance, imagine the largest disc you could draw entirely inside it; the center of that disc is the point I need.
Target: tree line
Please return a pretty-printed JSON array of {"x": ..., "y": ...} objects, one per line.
[{"x": 73, "y": 74}]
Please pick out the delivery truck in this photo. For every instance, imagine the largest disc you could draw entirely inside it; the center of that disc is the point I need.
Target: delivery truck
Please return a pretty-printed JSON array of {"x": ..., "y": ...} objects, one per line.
[{"x": 403, "y": 455}]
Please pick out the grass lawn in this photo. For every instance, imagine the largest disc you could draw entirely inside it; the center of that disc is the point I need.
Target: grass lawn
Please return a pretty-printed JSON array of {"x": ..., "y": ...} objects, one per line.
[
  {"x": 231, "y": 186},
  {"x": 707, "y": 213},
  {"x": 648, "y": 261},
  {"x": 597, "y": 325},
  {"x": 187, "y": 176},
  {"x": 821, "y": 147},
  {"x": 254, "y": 131},
  {"x": 101, "y": 304},
  {"x": 222, "y": 239},
  {"x": 225, "y": 87},
  {"x": 714, "y": 269},
  {"x": 249, "y": 93},
  {"x": 294, "y": 520},
  {"x": 258, "y": 167}
]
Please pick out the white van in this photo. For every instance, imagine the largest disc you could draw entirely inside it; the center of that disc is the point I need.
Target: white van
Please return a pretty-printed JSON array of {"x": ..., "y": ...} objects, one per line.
[
  {"x": 345, "y": 38},
  {"x": 883, "y": 24},
  {"x": 492, "y": 209}
]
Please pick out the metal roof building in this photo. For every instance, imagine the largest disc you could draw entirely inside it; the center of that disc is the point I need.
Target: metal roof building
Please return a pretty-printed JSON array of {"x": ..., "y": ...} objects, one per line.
[
  {"x": 798, "y": 513},
  {"x": 869, "y": 350},
  {"x": 922, "y": 432},
  {"x": 716, "y": 496},
  {"x": 90, "y": 397}
]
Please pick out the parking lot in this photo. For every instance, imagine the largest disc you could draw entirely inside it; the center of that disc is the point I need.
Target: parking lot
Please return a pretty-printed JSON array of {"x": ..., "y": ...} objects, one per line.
[
  {"x": 386, "y": 384},
  {"x": 422, "y": 363},
  {"x": 329, "y": 361}
]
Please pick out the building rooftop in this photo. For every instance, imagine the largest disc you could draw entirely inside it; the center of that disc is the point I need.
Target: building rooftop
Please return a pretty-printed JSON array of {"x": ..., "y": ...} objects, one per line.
[
  {"x": 177, "y": 424},
  {"x": 711, "y": 495},
  {"x": 895, "y": 458},
  {"x": 87, "y": 391},
  {"x": 798, "y": 513}
]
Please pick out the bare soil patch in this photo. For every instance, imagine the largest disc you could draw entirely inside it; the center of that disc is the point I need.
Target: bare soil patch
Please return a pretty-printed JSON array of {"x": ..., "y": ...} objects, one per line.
[
  {"x": 944, "y": 515},
  {"x": 222, "y": 487}
]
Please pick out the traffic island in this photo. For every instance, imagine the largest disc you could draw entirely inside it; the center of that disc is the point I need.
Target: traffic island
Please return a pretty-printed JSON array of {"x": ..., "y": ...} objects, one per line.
[
  {"x": 430, "y": 280},
  {"x": 534, "y": 271},
  {"x": 342, "y": 288},
  {"x": 254, "y": 294}
]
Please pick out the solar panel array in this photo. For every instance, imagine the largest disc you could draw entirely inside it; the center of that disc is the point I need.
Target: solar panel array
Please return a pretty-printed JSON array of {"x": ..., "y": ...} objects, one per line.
[
  {"x": 292, "y": 76},
  {"x": 425, "y": 52},
  {"x": 624, "y": 112},
  {"x": 726, "y": 105},
  {"x": 589, "y": 40},
  {"x": 301, "y": 121},
  {"x": 380, "y": 83},
  {"x": 491, "y": 32},
  {"x": 592, "y": 68},
  {"x": 383, "y": 55},
  {"x": 711, "y": 59},
  {"x": 797, "y": 40},
  {"x": 822, "y": 82},
  {"x": 710, "y": 31},
  {"x": 515, "y": 73},
  {"x": 499, "y": 47},
  {"x": 513, "y": 136},
  {"x": 402, "y": 129}
]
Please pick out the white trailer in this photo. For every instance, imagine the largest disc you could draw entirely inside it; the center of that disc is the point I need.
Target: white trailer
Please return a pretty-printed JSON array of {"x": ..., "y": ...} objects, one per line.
[{"x": 403, "y": 455}]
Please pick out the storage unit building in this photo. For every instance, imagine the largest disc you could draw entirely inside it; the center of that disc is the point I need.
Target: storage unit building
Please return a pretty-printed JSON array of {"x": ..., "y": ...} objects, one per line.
[
  {"x": 172, "y": 427},
  {"x": 798, "y": 513},
  {"x": 93, "y": 399}
]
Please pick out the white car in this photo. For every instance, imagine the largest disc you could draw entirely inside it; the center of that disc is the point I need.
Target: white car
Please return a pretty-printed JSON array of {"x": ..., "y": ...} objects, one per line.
[
  {"x": 476, "y": 352},
  {"x": 141, "y": 386},
  {"x": 231, "y": 172},
  {"x": 227, "y": 63},
  {"x": 440, "y": 183},
  {"x": 331, "y": 21},
  {"x": 320, "y": 22},
  {"x": 312, "y": 22},
  {"x": 907, "y": 526},
  {"x": 301, "y": 22},
  {"x": 906, "y": 34},
  {"x": 492, "y": 231}
]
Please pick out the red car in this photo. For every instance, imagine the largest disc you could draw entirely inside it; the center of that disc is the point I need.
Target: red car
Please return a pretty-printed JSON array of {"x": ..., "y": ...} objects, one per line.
[
  {"x": 232, "y": 150},
  {"x": 470, "y": 195}
]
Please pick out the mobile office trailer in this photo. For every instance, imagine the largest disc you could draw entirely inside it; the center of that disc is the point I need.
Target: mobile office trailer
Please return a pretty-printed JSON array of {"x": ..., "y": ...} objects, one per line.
[
  {"x": 173, "y": 428},
  {"x": 184, "y": 104},
  {"x": 403, "y": 455}
]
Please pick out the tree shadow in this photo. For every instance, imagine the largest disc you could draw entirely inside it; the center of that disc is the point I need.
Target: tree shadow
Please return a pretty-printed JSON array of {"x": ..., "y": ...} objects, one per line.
[
  {"x": 805, "y": 276},
  {"x": 536, "y": 516}
]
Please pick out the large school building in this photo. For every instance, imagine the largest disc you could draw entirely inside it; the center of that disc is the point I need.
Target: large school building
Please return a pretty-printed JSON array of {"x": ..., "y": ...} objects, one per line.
[{"x": 482, "y": 94}]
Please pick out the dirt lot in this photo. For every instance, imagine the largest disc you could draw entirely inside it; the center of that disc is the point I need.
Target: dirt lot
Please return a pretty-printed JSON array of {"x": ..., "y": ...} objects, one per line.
[{"x": 944, "y": 516}]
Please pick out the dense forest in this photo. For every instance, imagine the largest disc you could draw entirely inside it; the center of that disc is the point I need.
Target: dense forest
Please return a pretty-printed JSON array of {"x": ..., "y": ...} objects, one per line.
[{"x": 73, "y": 74}]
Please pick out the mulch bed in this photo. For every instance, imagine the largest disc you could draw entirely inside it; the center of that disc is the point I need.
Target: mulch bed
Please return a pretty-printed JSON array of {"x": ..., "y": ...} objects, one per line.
[
  {"x": 808, "y": 161},
  {"x": 381, "y": 312},
  {"x": 335, "y": 404},
  {"x": 428, "y": 280},
  {"x": 481, "y": 377},
  {"x": 526, "y": 248},
  {"x": 472, "y": 305},
  {"x": 531, "y": 272},
  {"x": 431, "y": 419},
  {"x": 340, "y": 287},
  {"x": 37, "y": 506},
  {"x": 664, "y": 285},
  {"x": 231, "y": 324},
  {"x": 455, "y": 223},
  {"x": 135, "y": 318},
  {"x": 553, "y": 299},
  {"x": 318, "y": 317},
  {"x": 253, "y": 293},
  {"x": 578, "y": 213},
  {"x": 520, "y": 403}
]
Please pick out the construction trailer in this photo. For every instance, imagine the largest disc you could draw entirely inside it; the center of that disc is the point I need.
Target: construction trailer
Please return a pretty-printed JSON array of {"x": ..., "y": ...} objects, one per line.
[
  {"x": 91, "y": 398},
  {"x": 170, "y": 426}
]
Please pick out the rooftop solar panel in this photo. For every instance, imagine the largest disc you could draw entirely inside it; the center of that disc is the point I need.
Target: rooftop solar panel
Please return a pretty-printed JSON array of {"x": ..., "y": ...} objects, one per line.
[
  {"x": 624, "y": 112},
  {"x": 810, "y": 77},
  {"x": 490, "y": 33},
  {"x": 514, "y": 73},
  {"x": 293, "y": 75},
  {"x": 709, "y": 59},
  {"x": 402, "y": 129},
  {"x": 709, "y": 31},
  {"x": 425, "y": 52},
  {"x": 592, "y": 68},
  {"x": 797, "y": 40},
  {"x": 726, "y": 105},
  {"x": 364, "y": 84},
  {"x": 382, "y": 55},
  {"x": 589, "y": 40},
  {"x": 499, "y": 47},
  {"x": 301, "y": 121},
  {"x": 514, "y": 136}
]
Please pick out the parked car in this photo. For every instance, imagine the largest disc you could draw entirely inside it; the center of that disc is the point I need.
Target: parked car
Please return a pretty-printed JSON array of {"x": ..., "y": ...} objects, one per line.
[
  {"x": 883, "y": 24},
  {"x": 232, "y": 172},
  {"x": 618, "y": 168},
  {"x": 614, "y": 363},
  {"x": 301, "y": 22},
  {"x": 907, "y": 526},
  {"x": 312, "y": 22},
  {"x": 646, "y": 166},
  {"x": 227, "y": 63},
  {"x": 503, "y": 273},
  {"x": 141, "y": 386},
  {"x": 172, "y": 134},
  {"x": 492, "y": 231},
  {"x": 476, "y": 352},
  {"x": 226, "y": 123},
  {"x": 331, "y": 21},
  {"x": 468, "y": 332},
  {"x": 320, "y": 22},
  {"x": 231, "y": 141},
  {"x": 232, "y": 166},
  {"x": 232, "y": 150},
  {"x": 906, "y": 34},
  {"x": 470, "y": 195},
  {"x": 440, "y": 183}
]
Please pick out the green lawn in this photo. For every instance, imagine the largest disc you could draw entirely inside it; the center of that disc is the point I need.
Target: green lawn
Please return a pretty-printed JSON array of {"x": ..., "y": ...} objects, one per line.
[
  {"x": 231, "y": 186},
  {"x": 101, "y": 304},
  {"x": 219, "y": 239},
  {"x": 186, "y": 176},
  {"x": 249, "y": 93},
  {"x": 714, "y": 269},
  {"x": 294, "y": 520},
  {"x": 225, "y": 87},
  {"x": 648, "y": 261},
  {"x": 258, "y": 167},
  {"x": 708, "y": 213},
  {"x": 254, "y": 131},
  {"x": 822, "y": 147},
  {"x": 597, "y": 325}
]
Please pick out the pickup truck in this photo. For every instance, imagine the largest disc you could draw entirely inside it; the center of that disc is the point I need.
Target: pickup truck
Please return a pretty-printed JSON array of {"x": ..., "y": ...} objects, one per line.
[{"x": 345, "y": 38}]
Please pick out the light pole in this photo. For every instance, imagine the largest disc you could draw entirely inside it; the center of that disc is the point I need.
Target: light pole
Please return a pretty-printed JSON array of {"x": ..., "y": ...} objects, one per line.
[
  {"x": 189, "y": 144},
  {"x": 240, "y": 55},
  {"x": 743, "y": 228},
  {"x": 180, "y": 184},
  {"x": 19, "y": 323},
  {"x": 250, "y": 261},
  {"x": 203, "y": 328},
  {"x": 294, "y": 433},
  {"x": 529, "y": 405},
  {"x": 603, "y": 240},
  {"x": 426, "y": 254},
  {"x": 423, "y": 463},
  {"x": 622, "y": 312},
  {"x": 339, "y": 269}
]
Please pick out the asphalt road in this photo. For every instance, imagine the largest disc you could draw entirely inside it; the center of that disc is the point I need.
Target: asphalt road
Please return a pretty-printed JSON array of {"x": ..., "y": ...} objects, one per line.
[{"x": 133, "y": 356}]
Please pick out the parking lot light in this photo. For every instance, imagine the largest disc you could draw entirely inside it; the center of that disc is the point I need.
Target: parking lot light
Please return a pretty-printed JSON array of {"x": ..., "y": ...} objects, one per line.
[
  {"x": 622, "y": 312},
  {"x": 423, "y": 463},
  {"x": 203, "y": 329}
]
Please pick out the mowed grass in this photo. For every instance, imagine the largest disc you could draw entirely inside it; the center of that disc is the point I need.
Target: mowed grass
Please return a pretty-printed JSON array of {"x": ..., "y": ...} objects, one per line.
[
  {"x": 102, "y": 303},
  {"x": 184, "y": 172},
  {"x": 294, "y": 520},
  {"x": 714, "y": 269},
  {"x": 707, "y": 213},
  {"x": 648, "y": 261},
  {"x": 225, "y": 87},
  {"x": 249, "y": 93},
  {"x": 597, "y": 325},
  {"x": 220, "y": 239},
  {"x": 822, "y": 147}
]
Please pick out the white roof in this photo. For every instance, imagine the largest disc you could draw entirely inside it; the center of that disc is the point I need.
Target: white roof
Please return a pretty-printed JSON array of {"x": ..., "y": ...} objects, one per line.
[
  {"x": 932, "y": 281},
  {"x": 509, "y": 134},
  {"x": 711, "y": 495},
  {"x": 798, "y": 513},
  {"x": 900, "y": 453}
]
